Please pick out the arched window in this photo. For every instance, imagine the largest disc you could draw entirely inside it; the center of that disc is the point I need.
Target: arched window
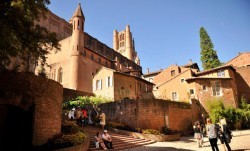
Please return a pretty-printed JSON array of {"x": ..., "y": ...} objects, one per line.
[{"x": 60, "y": 75}]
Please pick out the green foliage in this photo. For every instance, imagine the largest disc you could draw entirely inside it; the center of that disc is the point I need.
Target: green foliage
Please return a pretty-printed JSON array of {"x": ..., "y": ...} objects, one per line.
[
  {"x": 85, "y": 100},
  {"x": 70, "y": 127},
  {"x": 66, "y": 140},
  {"x": 71, "y": 135},
  {"x": 237, "y": 118},
  {"x": 168, "y": 131},
  {"x": 209, "y": 56},
  {"x": 23, "y": 37},
  {"x": 151, "y": 131},
  {"x": 215, "y": 108}
]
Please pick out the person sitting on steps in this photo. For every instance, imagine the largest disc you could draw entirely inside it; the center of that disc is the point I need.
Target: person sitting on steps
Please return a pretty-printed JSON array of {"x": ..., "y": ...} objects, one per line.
[
  {"x": 107, "y": 140},
  {"x": 99, "y": 142}
]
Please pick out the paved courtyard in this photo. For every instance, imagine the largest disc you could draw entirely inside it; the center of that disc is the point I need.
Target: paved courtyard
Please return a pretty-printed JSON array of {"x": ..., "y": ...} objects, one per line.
[{"x": 239, "y": 143}]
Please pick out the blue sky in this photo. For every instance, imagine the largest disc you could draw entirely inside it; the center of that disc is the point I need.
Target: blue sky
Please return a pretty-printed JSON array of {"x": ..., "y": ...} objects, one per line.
[{"x": 166, "y": 32}]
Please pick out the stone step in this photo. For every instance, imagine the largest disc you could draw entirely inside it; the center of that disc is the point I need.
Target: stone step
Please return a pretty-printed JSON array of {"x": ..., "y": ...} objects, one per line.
[
  {"x": 117, "y": 138},
  {"x": 117, "y": 142},
  {"x": 120, "y": 142},
  {"x": 124, "y": 146}
]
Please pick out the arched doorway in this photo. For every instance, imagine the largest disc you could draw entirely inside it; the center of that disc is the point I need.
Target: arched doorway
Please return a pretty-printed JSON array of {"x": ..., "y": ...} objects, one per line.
[{"x": 16, "y": 128}]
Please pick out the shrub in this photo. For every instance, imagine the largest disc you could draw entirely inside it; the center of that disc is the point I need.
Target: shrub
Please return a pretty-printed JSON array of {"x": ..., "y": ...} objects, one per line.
[
  {"x": 237, "y": 118},
  {"x": 84, "y": 101},
  {"x": 151, "y": 131},
  {"x": 70, "y": 135},
  {"x": 70, "y": 127},
  {"x": 66, "y": 140}
]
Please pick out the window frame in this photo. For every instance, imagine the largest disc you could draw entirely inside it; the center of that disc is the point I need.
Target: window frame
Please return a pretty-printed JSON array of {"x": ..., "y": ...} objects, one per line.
[
  {"x": 176, "y": 96},
  {"x": 216, "y": 85}
]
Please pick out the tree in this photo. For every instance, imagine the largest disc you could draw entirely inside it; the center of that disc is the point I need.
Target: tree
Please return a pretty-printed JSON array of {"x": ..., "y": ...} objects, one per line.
[
  {"x": 209, "y": 56},
  {"x": 20, "y": 34}
]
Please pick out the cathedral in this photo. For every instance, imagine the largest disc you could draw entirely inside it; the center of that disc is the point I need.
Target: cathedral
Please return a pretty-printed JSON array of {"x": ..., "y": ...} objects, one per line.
[{"x": 82, "y": 56}]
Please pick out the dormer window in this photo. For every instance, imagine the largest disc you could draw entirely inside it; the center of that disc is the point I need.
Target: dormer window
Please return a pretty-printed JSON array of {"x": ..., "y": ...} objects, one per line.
[
  {"x": 172, "y": 72},
  {"x": 221, "y": 73}
]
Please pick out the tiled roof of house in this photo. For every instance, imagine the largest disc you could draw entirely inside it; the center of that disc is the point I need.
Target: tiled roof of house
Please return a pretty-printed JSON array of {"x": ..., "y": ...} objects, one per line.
[
  {"x": 152, "y": 73},
  {"x": 134, "y": 77},
  {"x": 215, "y": 69},
  {"x": 241, "y": 53},
  {"x": 205, "y": 78}
]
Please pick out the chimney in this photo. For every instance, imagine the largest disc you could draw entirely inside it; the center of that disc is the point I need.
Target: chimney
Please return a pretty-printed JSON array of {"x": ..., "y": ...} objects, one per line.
[
  {"x": 147, "y": 70},
  {"x": 190, "y": 62}
]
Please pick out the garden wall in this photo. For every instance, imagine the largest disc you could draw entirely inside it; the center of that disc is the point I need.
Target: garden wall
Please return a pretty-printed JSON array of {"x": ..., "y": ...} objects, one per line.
[
  {"x": 69, "y": 94},
  {"x": 153, "y": 114},
  {"x": 40, "y": 101}
]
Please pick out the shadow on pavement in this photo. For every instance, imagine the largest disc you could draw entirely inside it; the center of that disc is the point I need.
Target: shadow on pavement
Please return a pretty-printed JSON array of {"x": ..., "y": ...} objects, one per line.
[{"x": 152, "y": 148}]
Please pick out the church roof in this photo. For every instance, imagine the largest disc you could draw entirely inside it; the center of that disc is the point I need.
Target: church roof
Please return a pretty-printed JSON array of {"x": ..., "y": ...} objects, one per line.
[{"x": 78, "y": 12}]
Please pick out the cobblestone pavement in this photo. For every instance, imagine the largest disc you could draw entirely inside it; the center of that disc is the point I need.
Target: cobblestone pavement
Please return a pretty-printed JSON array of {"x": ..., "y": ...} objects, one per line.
[{"x": 239, "y": 143}]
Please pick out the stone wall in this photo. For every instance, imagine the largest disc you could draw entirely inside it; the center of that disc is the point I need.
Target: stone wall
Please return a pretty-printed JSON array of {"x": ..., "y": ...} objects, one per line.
[
  {"x": 153, "y": 114},
  {"x": 243, "y": 82},
  {"x": 24, "y": 90},
  {"x": 69, "y": 94}
]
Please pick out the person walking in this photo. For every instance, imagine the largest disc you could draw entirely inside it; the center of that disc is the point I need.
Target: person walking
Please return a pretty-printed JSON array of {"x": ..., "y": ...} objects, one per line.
[
  {"x": 102, "y": 120},
  {"x": 78, "y": 116},
  {"x": 85, "y": 116},
  {"x": 212, "y": 134},
  {"x": 71, "y": 114},
  {"x": 198, "y": 134},
  {"x": 225, "y": 135}
]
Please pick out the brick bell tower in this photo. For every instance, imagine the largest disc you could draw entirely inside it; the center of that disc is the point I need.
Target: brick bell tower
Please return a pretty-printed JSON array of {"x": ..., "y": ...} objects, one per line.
[
  {"x": 123, "y": 43},
  {"x": 76, "y": 47}
]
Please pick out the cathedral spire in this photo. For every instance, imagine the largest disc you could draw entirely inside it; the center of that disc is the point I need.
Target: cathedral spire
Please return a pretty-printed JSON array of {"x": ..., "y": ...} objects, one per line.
[{"x": 78, "y": 12}]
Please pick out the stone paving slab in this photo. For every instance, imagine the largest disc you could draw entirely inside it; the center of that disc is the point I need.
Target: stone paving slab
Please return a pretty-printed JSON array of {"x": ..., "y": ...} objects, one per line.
[{"x": 239, "y": 143}]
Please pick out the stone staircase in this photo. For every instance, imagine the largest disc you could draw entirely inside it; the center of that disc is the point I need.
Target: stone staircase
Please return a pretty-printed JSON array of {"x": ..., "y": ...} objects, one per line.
[{"x": 120, "y": 142}]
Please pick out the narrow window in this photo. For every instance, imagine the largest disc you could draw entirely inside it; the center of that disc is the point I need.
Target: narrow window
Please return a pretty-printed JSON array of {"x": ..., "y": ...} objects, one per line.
[
  {"x": 82, "y": 25},
  {"x": 98, "y": 84},
  {"x": 174, "y": 96},
  {"x": 216, "y": 89},
  {"x": 172, "y": 72},
  {"x": 60, "y": 75},
  {"x": 204, "y": 88},
  {"x": 191, "y": 91},
  {"x": 78, "y": 26},
  {"x": 92, "y": 57},
  {"x": 109, "y": 79}
]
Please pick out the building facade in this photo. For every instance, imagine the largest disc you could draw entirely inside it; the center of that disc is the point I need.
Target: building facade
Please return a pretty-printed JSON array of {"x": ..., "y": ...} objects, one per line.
[
  {"x": 116, "y": 85},
  {"x": 241, "y": 64},
  {"x": 185, "y": 83},
  {"x": 82, "y": 55}
]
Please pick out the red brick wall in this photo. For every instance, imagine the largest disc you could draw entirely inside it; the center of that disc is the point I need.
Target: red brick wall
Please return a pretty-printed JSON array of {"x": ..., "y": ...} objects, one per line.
[
  {"x": 69, "y": 94},
  {"x": 151, "y": 114},
  {"x": 242, "y": 59},
  {"x": 228, "y": 92},
  {"x": 25, "y": 90},
  {"x": 243, "y": 82}
]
